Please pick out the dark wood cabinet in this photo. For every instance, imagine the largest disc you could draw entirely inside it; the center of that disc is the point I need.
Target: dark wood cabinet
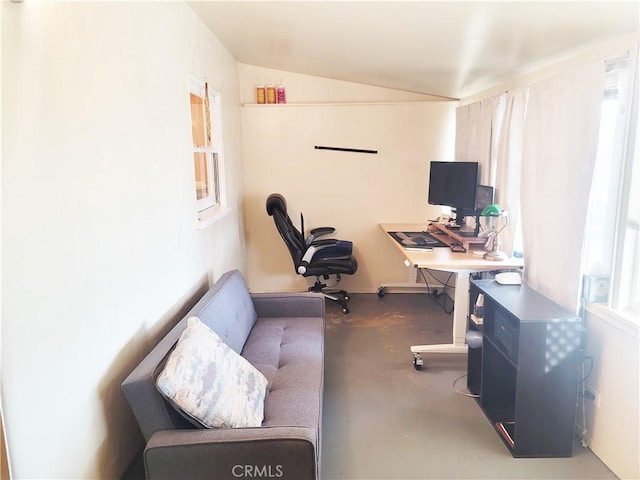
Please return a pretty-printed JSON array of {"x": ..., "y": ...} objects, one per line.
[{"x": 526, "y": 371}]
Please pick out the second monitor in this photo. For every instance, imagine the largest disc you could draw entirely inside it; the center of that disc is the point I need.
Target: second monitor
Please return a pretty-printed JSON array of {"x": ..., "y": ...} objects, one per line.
[{"x": 484, "y": 197}]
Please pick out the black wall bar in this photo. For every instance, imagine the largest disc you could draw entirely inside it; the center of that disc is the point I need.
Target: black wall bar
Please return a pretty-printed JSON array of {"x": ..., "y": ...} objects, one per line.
[{"x": 341, "y": 149}]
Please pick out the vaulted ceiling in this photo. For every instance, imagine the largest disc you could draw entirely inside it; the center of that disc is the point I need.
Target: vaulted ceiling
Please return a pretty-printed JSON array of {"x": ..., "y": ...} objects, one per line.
[{"x": 446, "y": 48}]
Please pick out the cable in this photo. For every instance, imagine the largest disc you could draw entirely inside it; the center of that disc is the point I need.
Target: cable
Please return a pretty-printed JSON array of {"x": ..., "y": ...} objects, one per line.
[
  {"x": 471, "y": 395},
  {"x": 584, "y": 437},
  {"x": 590, "y": 359},
  {"x": 445, "y": 286}
]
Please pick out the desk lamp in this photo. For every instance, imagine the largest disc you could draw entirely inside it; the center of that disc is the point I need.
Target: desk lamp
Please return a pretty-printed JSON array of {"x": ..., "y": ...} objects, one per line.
[{"x": 493, "y": 238}]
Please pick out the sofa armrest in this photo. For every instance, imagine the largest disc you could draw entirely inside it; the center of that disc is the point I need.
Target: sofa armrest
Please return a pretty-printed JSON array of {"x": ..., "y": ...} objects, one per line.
[
  {"x": 264, "y": 452},
  {"x": 307, "y": 304}
]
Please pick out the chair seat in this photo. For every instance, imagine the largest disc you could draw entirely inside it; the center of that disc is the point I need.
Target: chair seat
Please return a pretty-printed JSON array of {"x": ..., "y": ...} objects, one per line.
[
  {"x": 342, "y": 249},
  {"x": 322, "y": 266}
]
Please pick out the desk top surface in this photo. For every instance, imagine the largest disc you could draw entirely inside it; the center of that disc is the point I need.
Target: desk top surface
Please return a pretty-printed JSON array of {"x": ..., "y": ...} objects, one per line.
[{"x": 442, "y": 258}]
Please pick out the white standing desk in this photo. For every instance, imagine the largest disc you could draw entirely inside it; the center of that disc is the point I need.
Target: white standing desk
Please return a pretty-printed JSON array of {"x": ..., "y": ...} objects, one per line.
[{"x": 443, "y": 259}]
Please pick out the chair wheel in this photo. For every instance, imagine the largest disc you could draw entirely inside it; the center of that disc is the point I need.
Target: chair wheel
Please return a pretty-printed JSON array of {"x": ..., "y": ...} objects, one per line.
[
  {"x": 345, "y": 310},
  {"x": 417, "y": 363},
  {"x": 346, "y": 298},
  {"x": 382, "y": 291}
]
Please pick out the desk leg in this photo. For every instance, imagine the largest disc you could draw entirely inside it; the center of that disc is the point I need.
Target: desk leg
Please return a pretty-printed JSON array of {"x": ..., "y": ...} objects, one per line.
[
  {"x": 460, "y": 311},
  {"x": 412, "y": 284}
]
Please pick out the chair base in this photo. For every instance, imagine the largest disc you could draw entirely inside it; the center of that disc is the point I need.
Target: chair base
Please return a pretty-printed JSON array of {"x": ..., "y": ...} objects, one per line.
[{"x": 341, "y": 297}]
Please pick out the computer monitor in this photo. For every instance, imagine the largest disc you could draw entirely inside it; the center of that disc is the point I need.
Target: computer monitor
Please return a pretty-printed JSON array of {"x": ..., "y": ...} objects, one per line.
[
  {"x": 454, "y": 184},
  {"x": 484, "y": 197}
]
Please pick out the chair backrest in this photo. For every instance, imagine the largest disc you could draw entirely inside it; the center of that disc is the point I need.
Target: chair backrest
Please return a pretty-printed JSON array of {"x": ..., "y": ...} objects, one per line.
[{"x": 293, "y": 239}]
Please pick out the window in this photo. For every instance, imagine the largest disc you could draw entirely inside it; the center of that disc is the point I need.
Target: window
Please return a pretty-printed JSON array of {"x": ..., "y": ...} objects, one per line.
[
  {"x": 206, "y": 132},
  {"x": 627, "y": 296},
  {"x": 614, "y": 209}
]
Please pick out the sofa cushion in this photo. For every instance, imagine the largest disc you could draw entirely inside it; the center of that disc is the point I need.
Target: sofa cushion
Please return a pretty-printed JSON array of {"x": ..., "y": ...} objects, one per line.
[
  {"x": 228, "y": 310},
  {"x": 210, "y": 382},
  {"x": 289, "y": 352}
]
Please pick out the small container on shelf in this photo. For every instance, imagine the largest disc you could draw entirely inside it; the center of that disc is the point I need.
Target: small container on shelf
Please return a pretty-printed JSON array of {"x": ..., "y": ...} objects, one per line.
[
  {"x": 281, "y": 93},
  {"x": 260, "y": 94},
  {"x": 271, "y": 93}
]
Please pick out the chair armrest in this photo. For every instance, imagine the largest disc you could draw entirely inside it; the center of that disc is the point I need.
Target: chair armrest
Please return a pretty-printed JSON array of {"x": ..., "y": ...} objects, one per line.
[
  {"x": 273, "y": 452},
  {"x": 303, "y": 304},
  {"x": 316, "y": 246},
  {"x": 318, "y": 232}
]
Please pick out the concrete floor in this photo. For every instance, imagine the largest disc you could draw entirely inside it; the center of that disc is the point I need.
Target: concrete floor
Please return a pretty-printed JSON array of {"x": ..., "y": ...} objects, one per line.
[{"x": 385, "y": 420}]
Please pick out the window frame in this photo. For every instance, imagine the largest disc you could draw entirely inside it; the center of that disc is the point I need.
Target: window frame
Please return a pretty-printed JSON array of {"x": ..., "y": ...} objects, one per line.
[
  {"x": 624, "y": 279},
  {"x": 213, "y": 206},
  {"x": 621, "y": 306}
]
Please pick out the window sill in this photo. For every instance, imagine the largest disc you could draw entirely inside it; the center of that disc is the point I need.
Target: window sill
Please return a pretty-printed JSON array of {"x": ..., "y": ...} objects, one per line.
[
  {"x": 211, "y": 215},
  {"x": 623, "y": 321}
]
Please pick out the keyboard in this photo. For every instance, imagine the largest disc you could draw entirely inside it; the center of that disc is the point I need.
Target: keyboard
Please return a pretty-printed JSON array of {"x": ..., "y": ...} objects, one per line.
[{"x": 417, "y": 239}]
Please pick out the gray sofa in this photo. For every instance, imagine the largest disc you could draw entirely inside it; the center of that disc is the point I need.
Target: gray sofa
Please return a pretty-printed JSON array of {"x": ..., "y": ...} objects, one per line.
[{"x": 282, "y": 335}]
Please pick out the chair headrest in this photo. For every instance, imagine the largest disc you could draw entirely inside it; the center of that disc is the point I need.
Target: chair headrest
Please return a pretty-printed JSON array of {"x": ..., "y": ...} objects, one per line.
[{"x": 276, "y": 201}]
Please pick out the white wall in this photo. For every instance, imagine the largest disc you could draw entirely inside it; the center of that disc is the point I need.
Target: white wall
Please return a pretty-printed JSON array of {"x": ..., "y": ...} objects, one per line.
[
  {"x": 613, "y": 424},
  {"x": 99, "y": 245},
  {"x": 353, "y": 192},
  {"x": 613, "y": 427},
  {"x": 4, "y": 465}
]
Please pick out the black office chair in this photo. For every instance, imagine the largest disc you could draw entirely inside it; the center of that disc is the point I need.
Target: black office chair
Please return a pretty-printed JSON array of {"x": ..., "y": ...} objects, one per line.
[{"x": 312, "y": 256}]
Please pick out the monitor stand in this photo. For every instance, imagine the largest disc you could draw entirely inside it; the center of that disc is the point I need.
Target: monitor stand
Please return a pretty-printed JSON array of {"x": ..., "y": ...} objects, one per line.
[
  {"x": 454, "y": 234},
  {"x": 462, "y": 229},
  {"x": 464, "y": 232}
]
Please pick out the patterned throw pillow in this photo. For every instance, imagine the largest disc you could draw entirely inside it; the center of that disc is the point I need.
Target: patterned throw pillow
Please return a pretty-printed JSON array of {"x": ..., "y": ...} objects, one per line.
[{"x": 210, "y": 382}]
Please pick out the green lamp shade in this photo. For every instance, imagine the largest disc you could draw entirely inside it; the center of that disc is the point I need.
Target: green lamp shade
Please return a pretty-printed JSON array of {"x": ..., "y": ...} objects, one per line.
[{"x": 493, "y": 210}]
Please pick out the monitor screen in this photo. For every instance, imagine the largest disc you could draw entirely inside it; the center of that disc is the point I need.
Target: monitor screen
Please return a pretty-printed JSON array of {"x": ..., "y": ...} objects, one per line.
[
  {"x": 484, "y": 197},
  {"x": 453, "y": 184}
]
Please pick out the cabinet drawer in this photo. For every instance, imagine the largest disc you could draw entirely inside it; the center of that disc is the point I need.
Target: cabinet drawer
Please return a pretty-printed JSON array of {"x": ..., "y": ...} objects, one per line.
[{"x": 505, "y": 334}]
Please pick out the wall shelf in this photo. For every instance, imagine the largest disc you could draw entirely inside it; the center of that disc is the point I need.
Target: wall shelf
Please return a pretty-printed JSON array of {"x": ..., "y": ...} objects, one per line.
[{"x": 339, "y": 104}]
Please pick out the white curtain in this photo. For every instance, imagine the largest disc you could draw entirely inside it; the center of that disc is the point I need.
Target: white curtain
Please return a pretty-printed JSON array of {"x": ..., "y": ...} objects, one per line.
[
  {"x": 475, "y": 136},
  {"x": 509, "y": 166},
  {"x": 560, "y": 145}
]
